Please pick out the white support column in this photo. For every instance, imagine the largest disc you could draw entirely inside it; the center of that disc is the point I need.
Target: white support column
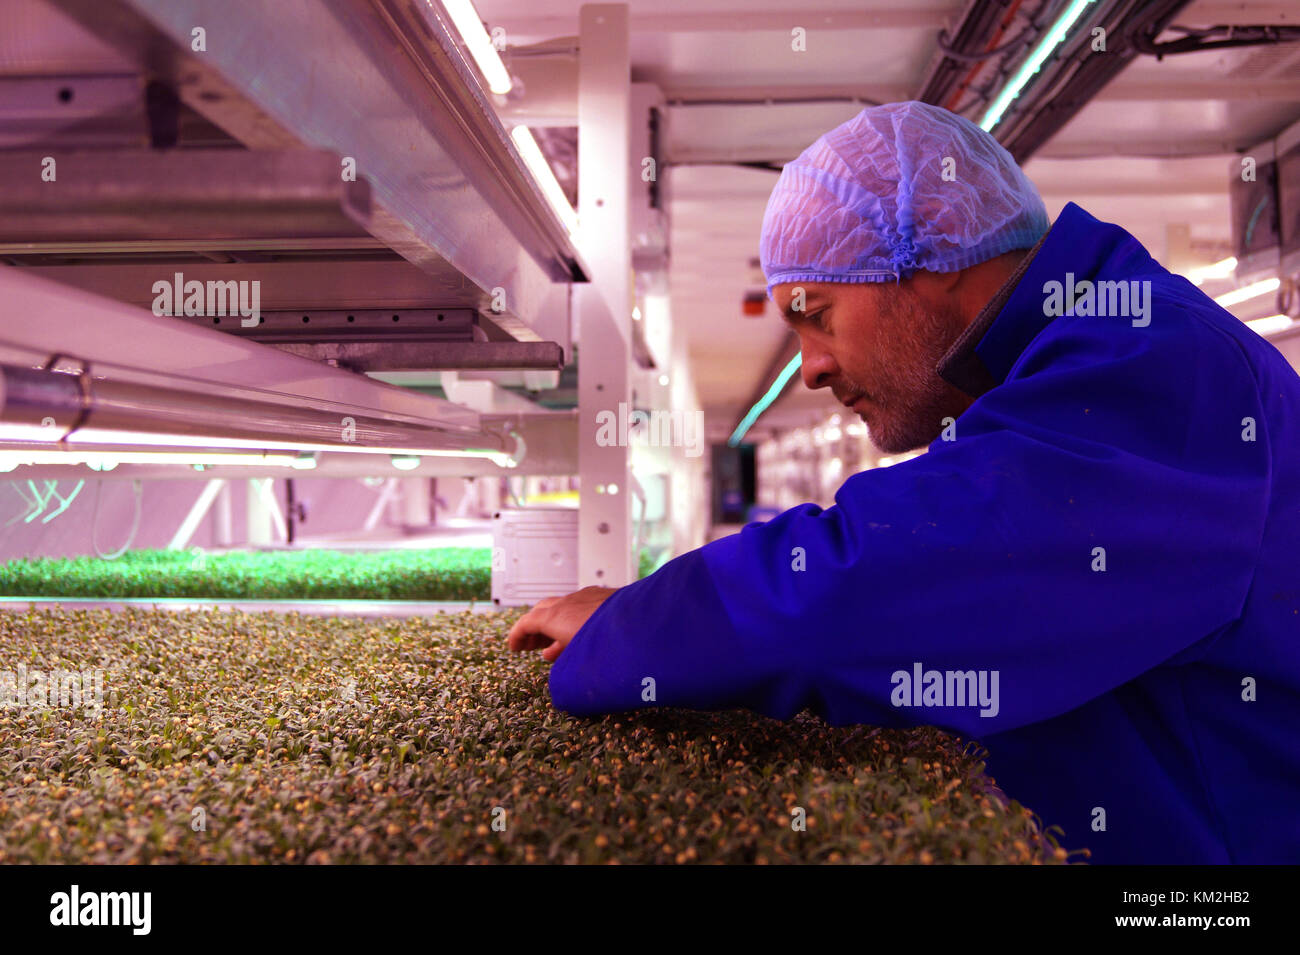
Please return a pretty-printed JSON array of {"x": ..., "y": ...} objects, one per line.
[
  {"x": 415, "y": 501},
  {"x": 223, "y": 519},
  {"x": 258, "y": 509},
  {"x": 604, "y": 306},
  {"x": 490, "y": 497}
]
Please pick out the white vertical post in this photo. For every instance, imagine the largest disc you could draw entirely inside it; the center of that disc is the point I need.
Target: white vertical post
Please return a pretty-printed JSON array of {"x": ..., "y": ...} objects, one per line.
[
  {"x": 604, "y": 308},
  {"x": 259, "y": 512},
  {"x": 415, "y": 501},
  {"x": 223, "y": 519}
]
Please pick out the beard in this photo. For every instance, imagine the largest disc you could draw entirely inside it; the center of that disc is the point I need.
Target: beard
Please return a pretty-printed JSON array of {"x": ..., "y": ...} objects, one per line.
[{"x": 909, "y": 400}]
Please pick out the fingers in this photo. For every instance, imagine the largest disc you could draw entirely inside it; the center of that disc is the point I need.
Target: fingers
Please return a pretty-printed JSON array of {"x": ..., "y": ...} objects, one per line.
[
  {"x": 519, "y": 633},
  {"x": 550, "y": 623},
  {"x": 529, "y": 631},
  {"x": 535, "y": 641}
]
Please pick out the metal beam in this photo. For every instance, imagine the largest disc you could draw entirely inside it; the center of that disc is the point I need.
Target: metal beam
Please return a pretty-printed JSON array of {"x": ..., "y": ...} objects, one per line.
[
  {"x": 320, "y": 286},
  {"x": 205, "y": 194},
  {"x": 132, "y": 351},
  {"x": 902, "y": 17},
  {"x": 785, "y": 94},
  {"x": 1231, "y": 12},
  {"x": 450, "y": 193},
  {"x": 92, "y": 111},
  {"x": 408, "y": 356},
  {"x": 1221, "y": 89},
  {"x": 391, "y": 327},
  {"x": 1225, "y": 88}
]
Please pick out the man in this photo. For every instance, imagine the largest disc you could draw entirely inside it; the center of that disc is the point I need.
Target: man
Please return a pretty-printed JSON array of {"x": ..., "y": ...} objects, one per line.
[{"x": 1095, "y": 569}]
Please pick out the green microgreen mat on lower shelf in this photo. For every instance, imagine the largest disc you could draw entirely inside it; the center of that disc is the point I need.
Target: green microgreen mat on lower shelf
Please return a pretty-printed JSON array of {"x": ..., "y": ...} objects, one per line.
[{"x": 450, "y": 573}]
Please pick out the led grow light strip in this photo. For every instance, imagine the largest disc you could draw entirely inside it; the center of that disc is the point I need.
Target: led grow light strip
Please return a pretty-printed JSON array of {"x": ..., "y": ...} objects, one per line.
[
  {"x": 92, "y": 436},
  {"x": 1247, "y": 292},
  {"x": 545, "y": 176},
  {"x": 1055, "y": 36},
  {"x": 107, "y": 460},
  {"x": 1204, "y": 273},
  {"x": 1270, "y": 324},
  {"x": 470, "y": 27},
  {"x": 764, "y": 402}
]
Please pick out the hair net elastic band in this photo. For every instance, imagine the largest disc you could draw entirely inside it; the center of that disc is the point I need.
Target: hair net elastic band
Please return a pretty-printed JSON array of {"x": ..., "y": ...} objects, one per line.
[
  {"x": 1009, "y": 241},
  {"x": 852, "y": 276}
]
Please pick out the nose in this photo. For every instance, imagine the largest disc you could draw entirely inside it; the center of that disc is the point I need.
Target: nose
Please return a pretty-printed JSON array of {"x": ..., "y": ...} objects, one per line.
[{"x": 818, "y": 366}]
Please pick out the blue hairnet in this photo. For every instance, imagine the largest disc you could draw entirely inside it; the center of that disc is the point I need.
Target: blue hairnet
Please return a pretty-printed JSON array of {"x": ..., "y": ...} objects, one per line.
[{"x": 876, "y": 198}]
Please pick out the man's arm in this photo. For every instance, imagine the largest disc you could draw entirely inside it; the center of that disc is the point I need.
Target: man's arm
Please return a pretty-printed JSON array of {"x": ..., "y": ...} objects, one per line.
[{"x": 1098, "y": 514}]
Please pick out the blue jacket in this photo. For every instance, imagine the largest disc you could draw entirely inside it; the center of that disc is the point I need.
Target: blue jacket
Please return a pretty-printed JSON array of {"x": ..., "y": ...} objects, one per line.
[{"x": 1114, "y": 531}]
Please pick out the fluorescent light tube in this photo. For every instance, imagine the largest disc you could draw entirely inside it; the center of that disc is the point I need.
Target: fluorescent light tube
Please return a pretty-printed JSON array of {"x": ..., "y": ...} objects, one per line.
[
  {"x": 1055, "y": 37},
  {"x": 470, "y": 27},
  {"x": 545, "y": 177},
  {"x": 1247, "y": 292},
  {"x": 1270, "y": 324}
]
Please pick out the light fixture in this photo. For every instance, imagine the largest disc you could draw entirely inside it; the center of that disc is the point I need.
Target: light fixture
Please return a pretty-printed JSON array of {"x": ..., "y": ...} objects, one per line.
[
  {"x": 171, "y": 448},
  {"x": 304, "y": 462},
  {"x": 405, "y": 462},
  {"x": 1270, "y": 324},
  {"x": 470, "y": 27},
  {"x": 663, "y": 379},
  {"x": 1247, "y": 292},
  {"x": 1219, "y": 270},
  {"x": 107, "y": 460},
  {"x": 1055, "y": 36},
  {"x": 763, "y": 403},
  {"x": 636, "y": 313},
  {"x": 545, "y": 177}
]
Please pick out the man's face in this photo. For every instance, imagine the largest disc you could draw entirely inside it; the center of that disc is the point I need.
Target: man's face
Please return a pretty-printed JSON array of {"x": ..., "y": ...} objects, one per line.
[{"x": 876, "y": 345}]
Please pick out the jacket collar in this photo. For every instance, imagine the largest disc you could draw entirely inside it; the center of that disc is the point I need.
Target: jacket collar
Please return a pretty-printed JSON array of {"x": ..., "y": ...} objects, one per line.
[{"x": 982, "y": 356}]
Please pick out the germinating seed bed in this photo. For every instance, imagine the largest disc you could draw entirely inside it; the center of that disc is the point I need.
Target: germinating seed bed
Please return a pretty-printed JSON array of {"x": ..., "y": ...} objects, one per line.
[{"x": 234, "y": 737}]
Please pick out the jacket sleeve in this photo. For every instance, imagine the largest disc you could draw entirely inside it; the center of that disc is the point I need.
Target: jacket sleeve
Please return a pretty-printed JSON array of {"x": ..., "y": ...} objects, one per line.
[{"x": 1098, "y": 514}]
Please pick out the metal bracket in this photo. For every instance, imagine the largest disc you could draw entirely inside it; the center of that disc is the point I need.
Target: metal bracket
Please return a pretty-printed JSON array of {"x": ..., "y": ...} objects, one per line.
[{"x": 320, "y": 326}]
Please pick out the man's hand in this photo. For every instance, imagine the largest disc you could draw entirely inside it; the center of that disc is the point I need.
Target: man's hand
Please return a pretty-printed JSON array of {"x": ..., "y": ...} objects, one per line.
[{"x": 552, "y": 622}]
